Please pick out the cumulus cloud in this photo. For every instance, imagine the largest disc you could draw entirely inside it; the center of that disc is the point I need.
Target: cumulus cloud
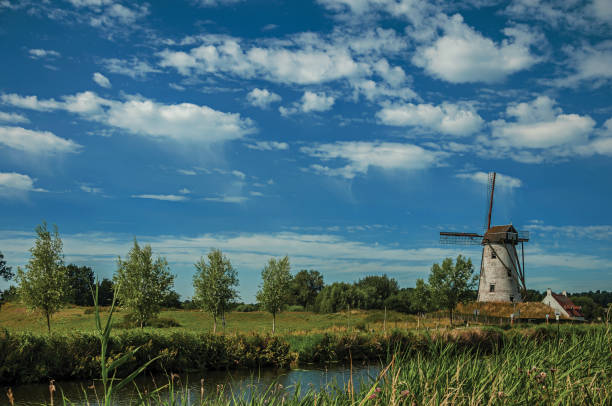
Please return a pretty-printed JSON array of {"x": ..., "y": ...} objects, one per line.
[
  {"x": 43, "y": 53},
  {"x": 90, "y": 189},
  {"x": 539, "y": 124},
  {"x": 167, "y": 198},
  {"x": 462, "y": 55},
  {"x": 503, "y": 181},
  {"x": 183, "y": 122},
  {"x": 446, "y": 118},
  {"x": 268, "y": 146},
  {"x": 262, "y": 98},
  {"x": 215, "y": 3},
  {"x": 36, "y": 142},
  {"x": 14, "y": 184},
  {"x": 362, "y": 155},
  {"x": 101, "y": 80},
  {"x": 310, "y": 102},
  {"x": 13, "y": 118},
  {"x": 590, "y": 64},
  {"x": 134, "y": 68}
]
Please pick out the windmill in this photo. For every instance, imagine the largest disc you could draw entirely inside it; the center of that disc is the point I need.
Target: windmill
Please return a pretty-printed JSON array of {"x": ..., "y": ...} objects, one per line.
[{"x": 502, "y": 276}]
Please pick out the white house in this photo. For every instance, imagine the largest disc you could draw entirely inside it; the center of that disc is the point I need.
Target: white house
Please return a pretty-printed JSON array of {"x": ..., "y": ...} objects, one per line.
[{"x": 563, "y": 305}]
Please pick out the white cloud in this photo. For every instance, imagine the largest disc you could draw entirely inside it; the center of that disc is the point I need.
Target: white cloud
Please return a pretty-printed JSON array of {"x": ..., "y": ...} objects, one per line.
[
  {"x": 503, "y": 181},
  {"x": 168, "y": 198},
  {"x": 184, "y": 191},
  {"x": 30, "y": 102},
  {"x": 586, "y": 16},
  {"x": 262, "y": 98},
  {"x": 14, "y": 184},
  {"x": 43, "y": 53},
  {"x": 90, "y": 189},
  {"x": 592, "y": 232},
  {"x": 13, "y": 118},
  {"x": 188, "y": 172},
  {"x": 447, "y": 118},
  {"x": 118, "y": 14},
  {"x": 36, "y": 142},
  {"x": 361, "y": 156},
  {"x": 268, "y": 146},
  {"x": 591, "y": 65},
  {"x": 216, "y": 3},
  {"x": 539, "y": 124},
  {"x": 310, "y": 102},
  {"x": 462, "y": 55},
  {"x": 238, "y": 174},
  {"x": 227, "y": 199},
  {"x": 184, "y": 122},
  {"x": 101, "y": 80},
  {"x": 305, "y": 59},
  {"x": 134, "y": 68}
]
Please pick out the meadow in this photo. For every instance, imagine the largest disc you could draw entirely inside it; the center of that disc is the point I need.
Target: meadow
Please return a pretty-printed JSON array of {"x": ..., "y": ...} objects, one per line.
[{"x": 16, "y": 317}]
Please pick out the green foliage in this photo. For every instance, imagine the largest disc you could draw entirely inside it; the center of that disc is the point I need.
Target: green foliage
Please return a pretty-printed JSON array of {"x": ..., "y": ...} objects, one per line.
[
  {"x": 172, "y": 300},
  {"x": 247, "y": 307},
  {"x": 214, "y": 284},
  {"x": 105, "y": 292},
  {"x": 451, "y": 284},
  {"x": 534, "y": 296},
  {"x": 376, "y": 289},
  {"x": 305, "y": 287},
  {"x": 80, "y": 282},
  {"x": 43, "y": 286},
  {"x": 590, "y": 309},
  {"x": 274, "y": 292},
  {"x": 144, "y": 283},
  {"x": 6, "y": 272}
]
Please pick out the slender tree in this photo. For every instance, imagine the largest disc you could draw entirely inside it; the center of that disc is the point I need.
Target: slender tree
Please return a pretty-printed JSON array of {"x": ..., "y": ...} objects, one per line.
[
  {"x": 214, "y": 284},
  {"x": 142, "y": 284},
  {"x": 451, "y": 284},
  {"x": 80, "y": 283},
  {"x": 305, "y": 287},
  {"x": 6, "y": 273},
  {"x": 43, "y": 286},
  {"x": 274, "y": 292}
]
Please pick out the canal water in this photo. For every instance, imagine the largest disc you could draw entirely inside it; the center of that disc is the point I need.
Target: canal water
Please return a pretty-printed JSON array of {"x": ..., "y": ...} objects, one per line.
[{"x": 243, "y": 383}]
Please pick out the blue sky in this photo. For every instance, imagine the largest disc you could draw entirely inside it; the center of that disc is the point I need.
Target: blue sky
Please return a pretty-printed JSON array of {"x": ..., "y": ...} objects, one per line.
[{"x": 343, "y": 133}]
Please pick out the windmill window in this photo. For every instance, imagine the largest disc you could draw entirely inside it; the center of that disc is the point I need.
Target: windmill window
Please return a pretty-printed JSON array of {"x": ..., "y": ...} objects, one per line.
[
  {"x": 491, "y": 288},
  {"x": 509, "y": 273},
  {"x": 493, "y": 254}
]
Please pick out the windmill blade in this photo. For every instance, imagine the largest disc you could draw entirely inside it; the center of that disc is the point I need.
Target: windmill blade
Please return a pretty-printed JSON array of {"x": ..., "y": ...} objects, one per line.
[
  {"x": 490, "y": 194},
  {"x": 454, "y": 238}
]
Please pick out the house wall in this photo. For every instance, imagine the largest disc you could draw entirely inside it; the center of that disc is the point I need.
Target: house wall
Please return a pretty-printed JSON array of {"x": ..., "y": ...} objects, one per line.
[
  {"x": 549, "y": 300},
  {"x": 493, "y": 272}
]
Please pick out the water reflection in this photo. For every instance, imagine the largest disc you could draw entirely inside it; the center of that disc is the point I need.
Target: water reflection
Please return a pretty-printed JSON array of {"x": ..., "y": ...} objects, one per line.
[{"x": 241, "y": 382}]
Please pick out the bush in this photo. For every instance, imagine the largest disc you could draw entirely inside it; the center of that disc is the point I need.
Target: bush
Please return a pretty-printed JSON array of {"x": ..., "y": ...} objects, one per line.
[
  {"x": 247, "y": 307},
  {"x": 295, "y": 308}
]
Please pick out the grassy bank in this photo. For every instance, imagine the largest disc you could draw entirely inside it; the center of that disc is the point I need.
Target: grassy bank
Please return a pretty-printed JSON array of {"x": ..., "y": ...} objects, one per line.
[
  {"x": 458, "y": 367},
  {"x": 28, "y": 357}
]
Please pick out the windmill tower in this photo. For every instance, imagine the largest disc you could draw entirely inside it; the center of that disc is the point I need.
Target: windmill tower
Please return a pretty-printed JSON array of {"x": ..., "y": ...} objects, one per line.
[{"x": 502, "y": 277}]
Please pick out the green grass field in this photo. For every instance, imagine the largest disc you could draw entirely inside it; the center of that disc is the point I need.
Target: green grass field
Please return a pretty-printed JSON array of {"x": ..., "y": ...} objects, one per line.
[{"x": 16, "y": 317}]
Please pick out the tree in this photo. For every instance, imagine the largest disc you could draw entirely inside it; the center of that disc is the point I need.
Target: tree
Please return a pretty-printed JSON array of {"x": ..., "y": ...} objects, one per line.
[
  {"x": 305, "y": 287},
  {"x": 274, "y": 293},
  {"x": 43, "y": 286},
  {"x": 421, "y": 297},
  {"x": 6, "y": 272},
  {"x": 172, "y": 300},
  {"x": 590, "y": 309},
  {"x": 377, "y": 289},
  {"x": 451, "y": 284},
  {"x": 105, "y": 292},
  {"x": 142, "y": 284},
  {"x": 214, "y": 284},
  {"x": 80, "y": 283}
]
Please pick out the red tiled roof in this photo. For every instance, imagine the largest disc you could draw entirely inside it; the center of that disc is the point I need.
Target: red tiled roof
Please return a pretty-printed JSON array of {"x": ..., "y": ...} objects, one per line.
[{"x": 568, "y": 305}]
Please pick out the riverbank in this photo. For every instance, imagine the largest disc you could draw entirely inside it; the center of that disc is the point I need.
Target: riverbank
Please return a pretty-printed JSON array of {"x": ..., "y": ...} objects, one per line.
[
  {"x": 458, "y": 367},
  {"x": 28, "y": 357}
]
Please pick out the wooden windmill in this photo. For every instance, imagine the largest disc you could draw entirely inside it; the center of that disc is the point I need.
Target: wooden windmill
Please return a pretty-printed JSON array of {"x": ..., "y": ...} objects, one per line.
[{"x": 502, "y": 276}]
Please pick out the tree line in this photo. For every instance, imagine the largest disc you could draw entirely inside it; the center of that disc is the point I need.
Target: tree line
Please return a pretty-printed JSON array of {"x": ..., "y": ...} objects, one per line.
[{"x": 143, "y": 285}]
